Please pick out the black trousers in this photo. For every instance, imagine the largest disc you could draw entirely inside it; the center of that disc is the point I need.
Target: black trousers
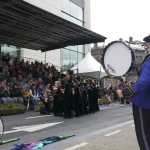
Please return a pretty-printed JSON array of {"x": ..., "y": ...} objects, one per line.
[
  {"x": 91, "y": 101},
  {"x": 84, "y": 97},
  {"x": 77, "y": 105},
  {"x": 142, "y": 126},
  {"x": 122, "y": 100}
]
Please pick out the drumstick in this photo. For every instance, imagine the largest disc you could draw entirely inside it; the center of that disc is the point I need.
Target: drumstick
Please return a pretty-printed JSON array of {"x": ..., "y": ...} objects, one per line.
[{"x": 107, "y": 71}]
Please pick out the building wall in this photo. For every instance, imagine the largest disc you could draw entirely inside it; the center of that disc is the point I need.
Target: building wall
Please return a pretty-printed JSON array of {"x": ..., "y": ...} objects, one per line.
[
  {"x": 52, "y": 6},
  {"x": 87, "y": 20},
  {"x": 53, "y": 57},
  {"x": 56, "y": 57}
]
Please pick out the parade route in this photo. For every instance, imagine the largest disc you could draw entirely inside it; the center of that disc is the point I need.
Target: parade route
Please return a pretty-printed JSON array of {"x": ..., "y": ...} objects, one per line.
[
  {"x": 28, "y": 127},
  {"x": 123, "y": 138}
]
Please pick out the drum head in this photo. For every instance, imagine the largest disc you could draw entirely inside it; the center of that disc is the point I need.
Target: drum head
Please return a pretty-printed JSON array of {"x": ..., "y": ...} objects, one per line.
[{"x": 117, "y": 58}]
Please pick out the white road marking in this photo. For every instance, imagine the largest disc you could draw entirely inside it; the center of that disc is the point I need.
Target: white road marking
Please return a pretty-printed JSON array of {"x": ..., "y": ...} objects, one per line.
[
  {"x": 32, "y": 128},
  {"x": 77, "y": 146},
  {"x": 115, "y": 132},
  {"x": 103, "y": 107},
  {"x": 39, "y": 116}
]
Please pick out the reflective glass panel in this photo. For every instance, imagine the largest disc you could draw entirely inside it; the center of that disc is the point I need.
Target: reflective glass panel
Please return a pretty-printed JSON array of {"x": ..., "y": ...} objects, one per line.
[
  {"x": 74, "y": 48},
  {"x": 80, "y": 23},
  {"x": 73, "y": 59},
  {"x": 80, "y": 57},
  {"x": 65, "y": 57},
  {"x": 74, "y": 10},
  {"x": 80, "y": 13},
  {"x": 65, "y": 16},
  {"x": 74, "y": 20},
  {"x": 66, "y": 6},
  {"x": 81, "y": 48}
]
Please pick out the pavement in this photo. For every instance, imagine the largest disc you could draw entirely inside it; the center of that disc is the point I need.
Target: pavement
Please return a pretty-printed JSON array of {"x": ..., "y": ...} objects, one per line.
[{"x": 89, "y": 130}]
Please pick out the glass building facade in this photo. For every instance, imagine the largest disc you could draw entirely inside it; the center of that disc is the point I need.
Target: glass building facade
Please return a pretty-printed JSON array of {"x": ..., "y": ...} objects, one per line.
[{"x": 72, "y": 55}]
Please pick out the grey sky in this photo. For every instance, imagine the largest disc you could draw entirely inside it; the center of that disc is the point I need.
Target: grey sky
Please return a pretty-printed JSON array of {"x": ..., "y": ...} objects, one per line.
[{"x": 121, "y": 18}]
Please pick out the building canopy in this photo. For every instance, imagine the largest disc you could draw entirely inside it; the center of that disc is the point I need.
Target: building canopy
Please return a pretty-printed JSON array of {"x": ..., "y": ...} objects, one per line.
[{"x": 27, "y": 26}]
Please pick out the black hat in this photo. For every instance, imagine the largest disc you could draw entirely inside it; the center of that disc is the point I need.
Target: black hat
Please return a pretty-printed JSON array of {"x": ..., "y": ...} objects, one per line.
[{"x": 147, "y": 39}]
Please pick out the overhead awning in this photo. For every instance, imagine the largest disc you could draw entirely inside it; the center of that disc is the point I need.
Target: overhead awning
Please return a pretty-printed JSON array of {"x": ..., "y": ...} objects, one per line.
[{"x": 27, "y": 26}]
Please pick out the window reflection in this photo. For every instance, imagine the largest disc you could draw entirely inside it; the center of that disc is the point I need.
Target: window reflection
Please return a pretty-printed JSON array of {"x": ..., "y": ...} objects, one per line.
[
  {"x": 80, "y": 23},
  {"x": 65, "y": 16},
  {"x": 66, "y": 6},
  {"x": 80, "y": 13},
  {"x": 74, "y": 10}
]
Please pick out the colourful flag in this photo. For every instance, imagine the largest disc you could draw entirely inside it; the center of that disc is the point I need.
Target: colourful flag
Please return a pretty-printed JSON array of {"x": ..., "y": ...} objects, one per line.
[{"x": 39, "y": 144}]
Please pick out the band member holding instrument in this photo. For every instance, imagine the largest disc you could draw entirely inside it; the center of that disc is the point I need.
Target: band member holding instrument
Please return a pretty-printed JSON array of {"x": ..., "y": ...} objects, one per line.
[
  {"x": 90, "y": 96},
  {"x": 84, "y": 97},
  {"x": 139, "y": 94},
  {"x": 68, "y": 95},
  {"x": 57, "y": 100},
  {"x": 77, "y": 102}
]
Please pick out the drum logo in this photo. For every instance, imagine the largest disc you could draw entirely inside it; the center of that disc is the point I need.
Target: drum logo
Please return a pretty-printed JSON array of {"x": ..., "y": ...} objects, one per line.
[{"x": 111, "y": 68}]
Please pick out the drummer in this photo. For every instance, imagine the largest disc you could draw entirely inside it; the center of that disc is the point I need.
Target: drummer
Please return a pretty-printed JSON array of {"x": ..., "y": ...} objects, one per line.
[{"x": 139, "y": 94}]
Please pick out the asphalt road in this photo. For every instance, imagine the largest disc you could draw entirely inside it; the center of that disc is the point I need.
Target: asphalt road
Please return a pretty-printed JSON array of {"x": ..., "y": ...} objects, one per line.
[{"x": 47, "y": 126}]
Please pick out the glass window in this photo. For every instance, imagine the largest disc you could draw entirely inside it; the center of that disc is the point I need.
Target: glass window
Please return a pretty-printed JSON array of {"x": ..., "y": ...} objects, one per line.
[
  {"x": 65, "y": 57},
  {"x": 74, "y": 20},
  {"x": 74, "y": 48},
  {"x": 80, "y": 13},
  {"x": 80, "y": 48},
  {"x": 68, "y": 47},
  {"x": 80, "y": 23},
  {"x": 73, "y": 59},
  {"x": 74, "y": 10},
  {"x": 80, "y": 57},
  {"x": 65, "y": 16},
  {"x": 66, "y": 6}
]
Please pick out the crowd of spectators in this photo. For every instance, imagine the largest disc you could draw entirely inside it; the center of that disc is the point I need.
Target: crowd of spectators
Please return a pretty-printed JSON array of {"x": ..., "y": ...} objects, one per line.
[
  {"x": 28, "y": 83},
  {"x": 23, "y": 82}
]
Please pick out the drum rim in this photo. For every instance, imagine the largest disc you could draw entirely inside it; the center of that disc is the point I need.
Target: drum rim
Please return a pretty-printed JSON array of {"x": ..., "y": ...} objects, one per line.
[
  {"x": 3, "y": 126},
  {"x": 105, "y": 49}
]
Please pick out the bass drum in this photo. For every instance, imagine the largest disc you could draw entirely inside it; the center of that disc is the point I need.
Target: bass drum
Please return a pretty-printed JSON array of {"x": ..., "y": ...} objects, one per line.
[{"x": 118, "y": 58}]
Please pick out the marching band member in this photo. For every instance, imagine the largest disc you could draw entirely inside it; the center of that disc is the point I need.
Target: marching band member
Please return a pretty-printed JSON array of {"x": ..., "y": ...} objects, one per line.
[
  {"x": 68, "y": 95},
  {"x": 77, "y": 102},
  {"x": 57, "y": 101},
  {"x": 90, "y": 96},
  {"x": 139, "y": 94},
  {"x": 84, "y": 97}
]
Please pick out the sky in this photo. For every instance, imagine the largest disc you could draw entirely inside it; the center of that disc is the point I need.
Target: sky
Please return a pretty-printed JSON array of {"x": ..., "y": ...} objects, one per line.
[{"x": 116, "y": 19}]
